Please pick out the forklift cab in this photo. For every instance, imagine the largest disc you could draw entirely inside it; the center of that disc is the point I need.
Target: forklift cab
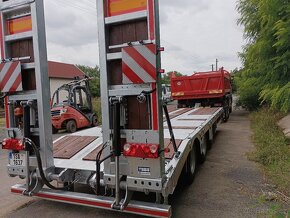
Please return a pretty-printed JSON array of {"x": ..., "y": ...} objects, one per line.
[
  {"x": 72, "y": 107},
  {"x": 77, "y": 97},
  {"x": 81, "y": 99}
]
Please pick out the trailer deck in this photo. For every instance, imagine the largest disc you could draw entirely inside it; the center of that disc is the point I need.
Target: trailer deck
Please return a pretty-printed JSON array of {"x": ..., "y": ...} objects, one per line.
[{"x": 84, "y": 145}]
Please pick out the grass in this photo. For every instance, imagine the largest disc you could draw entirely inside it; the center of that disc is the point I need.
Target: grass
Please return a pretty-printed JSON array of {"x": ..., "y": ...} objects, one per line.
[
  {"x": 272, "y": 148},
  {"x": 2, "y": 122},
  {"x": 98, "y": 109},
  {"x": 2, "y": 119}
]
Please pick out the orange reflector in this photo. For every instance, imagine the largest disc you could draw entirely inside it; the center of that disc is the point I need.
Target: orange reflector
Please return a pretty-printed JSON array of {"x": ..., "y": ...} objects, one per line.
[
  {"x": 176, "y": 94},
  {"x": 215, "y": 91},
  {"x": 118, "y": 7},
  {"x": 19, "y": 25}
]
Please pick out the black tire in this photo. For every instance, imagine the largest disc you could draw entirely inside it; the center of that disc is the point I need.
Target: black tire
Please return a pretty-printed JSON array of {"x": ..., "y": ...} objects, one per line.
[
  {"x": 94, "y": 121},
  {"x": 231, "y": 105},
  {"x": 226, "y": 114},
  {"x": 203, "y": 150},
  {"x": 209, "y": 143},
  {"x": 71, "y": 126},
  {"x": 191, "y": 166},
  {"x": 54, "y": 130}
]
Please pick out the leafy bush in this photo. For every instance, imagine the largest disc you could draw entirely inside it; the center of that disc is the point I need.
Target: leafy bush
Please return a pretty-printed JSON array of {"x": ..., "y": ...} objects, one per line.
[
  {"x": 248, "y": 93},
  {"x": 94, "y": 73},
  {"x": 97, "y": 107},
  {"x": 266, "y": 55}
]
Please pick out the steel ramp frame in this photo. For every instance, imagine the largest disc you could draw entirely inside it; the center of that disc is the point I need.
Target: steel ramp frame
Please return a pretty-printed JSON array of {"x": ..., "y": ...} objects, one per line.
[{"x": 101, "y": 202}]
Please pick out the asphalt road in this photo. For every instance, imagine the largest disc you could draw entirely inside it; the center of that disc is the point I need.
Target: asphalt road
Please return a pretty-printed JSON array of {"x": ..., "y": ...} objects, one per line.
[{"x": 227, "y": 184}]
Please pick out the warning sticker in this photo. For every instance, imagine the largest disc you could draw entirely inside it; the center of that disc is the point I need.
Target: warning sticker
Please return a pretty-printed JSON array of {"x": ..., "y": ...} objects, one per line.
[{"x": 144, "y": 171}]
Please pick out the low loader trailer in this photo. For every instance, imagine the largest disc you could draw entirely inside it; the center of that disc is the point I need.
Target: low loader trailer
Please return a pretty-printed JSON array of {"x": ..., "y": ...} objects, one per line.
[{"x": 143, "y": 146}]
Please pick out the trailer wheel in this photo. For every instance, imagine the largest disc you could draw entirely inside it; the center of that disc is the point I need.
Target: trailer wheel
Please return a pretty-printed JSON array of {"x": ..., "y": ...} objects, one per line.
[
  {"x": 203, "y": 150},
  {"x": 94, "y": 121},
  {"x": 191, "y": 166},
  {"x": 54, "y": 130},
  {"x": 71, "y": 126}
]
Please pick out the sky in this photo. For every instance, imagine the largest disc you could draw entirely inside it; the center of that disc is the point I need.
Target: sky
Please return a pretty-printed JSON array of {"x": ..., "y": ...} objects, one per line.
[{"x": 194, "y": 33}]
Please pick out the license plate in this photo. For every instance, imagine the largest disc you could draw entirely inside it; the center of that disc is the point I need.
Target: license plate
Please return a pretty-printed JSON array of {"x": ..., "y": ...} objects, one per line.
[{"x": 16, "y": 159}]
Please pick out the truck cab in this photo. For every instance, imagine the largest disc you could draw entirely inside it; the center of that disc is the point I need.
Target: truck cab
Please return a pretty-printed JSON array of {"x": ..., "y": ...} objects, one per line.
[{"x": 166, "y": 93}]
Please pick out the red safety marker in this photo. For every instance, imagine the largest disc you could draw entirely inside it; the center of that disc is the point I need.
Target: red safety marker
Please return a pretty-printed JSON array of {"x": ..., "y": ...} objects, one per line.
[
  {"x": 10, "y": 77},
  {"x": 139, "y": 64}
]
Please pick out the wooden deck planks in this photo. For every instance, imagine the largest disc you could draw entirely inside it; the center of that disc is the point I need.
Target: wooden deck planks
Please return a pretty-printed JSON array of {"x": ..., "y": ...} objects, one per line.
[
  {"x": 92, "y": 156},
  {"x": 69, "y": 146},
  {"x": 177, "y": 113},
  {"x": 172, "y": 108}
]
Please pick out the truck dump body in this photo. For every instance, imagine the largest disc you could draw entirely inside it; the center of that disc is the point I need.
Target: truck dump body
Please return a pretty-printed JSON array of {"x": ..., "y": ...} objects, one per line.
[{"x": 203, "y": 85}]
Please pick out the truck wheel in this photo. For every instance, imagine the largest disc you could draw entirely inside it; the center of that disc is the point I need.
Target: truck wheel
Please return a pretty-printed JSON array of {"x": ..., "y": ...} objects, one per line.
[
  {"x": 71, "y": 126},
  {"x": 191, "y": 166},
  {"x": 94, "y": 121},
  {"x": 226, "y": 114},
  {"x": 54, "y": 130}
]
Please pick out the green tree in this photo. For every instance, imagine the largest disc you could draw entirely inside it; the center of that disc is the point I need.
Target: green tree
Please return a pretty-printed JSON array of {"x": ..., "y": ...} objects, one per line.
[
  {"x": 265, "y": 78},
  {"x": 166, "y": 77},
  {"x": 235, "y": 73},
  {"x": 94, "y": 73}
]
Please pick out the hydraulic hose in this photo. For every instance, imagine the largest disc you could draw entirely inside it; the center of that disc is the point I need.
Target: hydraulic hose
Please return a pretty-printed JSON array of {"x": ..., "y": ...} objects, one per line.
[
  {"x": 3, "y": 96},
  {"x": 148, "y": 92},
  {"x": 98, "y": 168},
  {"x": 170, "y": 128},
  {"x": 39, "y": 164}
]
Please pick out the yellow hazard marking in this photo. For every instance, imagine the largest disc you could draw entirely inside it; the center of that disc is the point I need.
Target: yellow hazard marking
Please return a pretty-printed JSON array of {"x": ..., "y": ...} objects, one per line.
[
  {"x": 117, "y": 7},
  {"x": 19, "y": 25}
]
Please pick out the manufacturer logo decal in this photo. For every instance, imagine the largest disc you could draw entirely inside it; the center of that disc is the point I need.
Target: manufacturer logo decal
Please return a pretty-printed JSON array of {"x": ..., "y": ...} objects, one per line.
[{"x": 144, "y": 171}]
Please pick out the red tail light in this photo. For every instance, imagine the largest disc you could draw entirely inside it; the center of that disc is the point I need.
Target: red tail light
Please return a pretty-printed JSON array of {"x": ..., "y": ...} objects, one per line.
[
  {"x": 141, "y": 150},
  {"x": 12, "y": 144}
]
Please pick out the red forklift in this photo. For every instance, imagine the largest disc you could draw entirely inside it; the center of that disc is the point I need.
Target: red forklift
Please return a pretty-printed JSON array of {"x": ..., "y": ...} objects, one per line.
[{"x": 71, "y": 107}]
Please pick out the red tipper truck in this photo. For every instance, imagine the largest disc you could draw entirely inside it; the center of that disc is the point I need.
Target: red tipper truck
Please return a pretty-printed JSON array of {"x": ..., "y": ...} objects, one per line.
[{"x": 211, "y": 89}]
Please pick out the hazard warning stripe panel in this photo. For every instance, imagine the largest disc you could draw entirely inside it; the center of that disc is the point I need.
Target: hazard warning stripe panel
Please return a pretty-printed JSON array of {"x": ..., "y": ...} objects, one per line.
[
  {"x": 10, "y": 77},
  {"x": 139, "y": 64},
  {"x": 119, "y": 7},
  {"x": 19, "y": 25}
]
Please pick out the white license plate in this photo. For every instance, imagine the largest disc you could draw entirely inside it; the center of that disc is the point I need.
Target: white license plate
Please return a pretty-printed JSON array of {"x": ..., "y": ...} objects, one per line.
[{"x": 17, "y": 159}]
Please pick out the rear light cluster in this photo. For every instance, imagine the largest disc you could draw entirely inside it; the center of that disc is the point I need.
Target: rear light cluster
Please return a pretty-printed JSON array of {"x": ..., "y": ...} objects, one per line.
[
  {"x": 141, "y": 150},
  {"x": 13, "y": 144}
]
